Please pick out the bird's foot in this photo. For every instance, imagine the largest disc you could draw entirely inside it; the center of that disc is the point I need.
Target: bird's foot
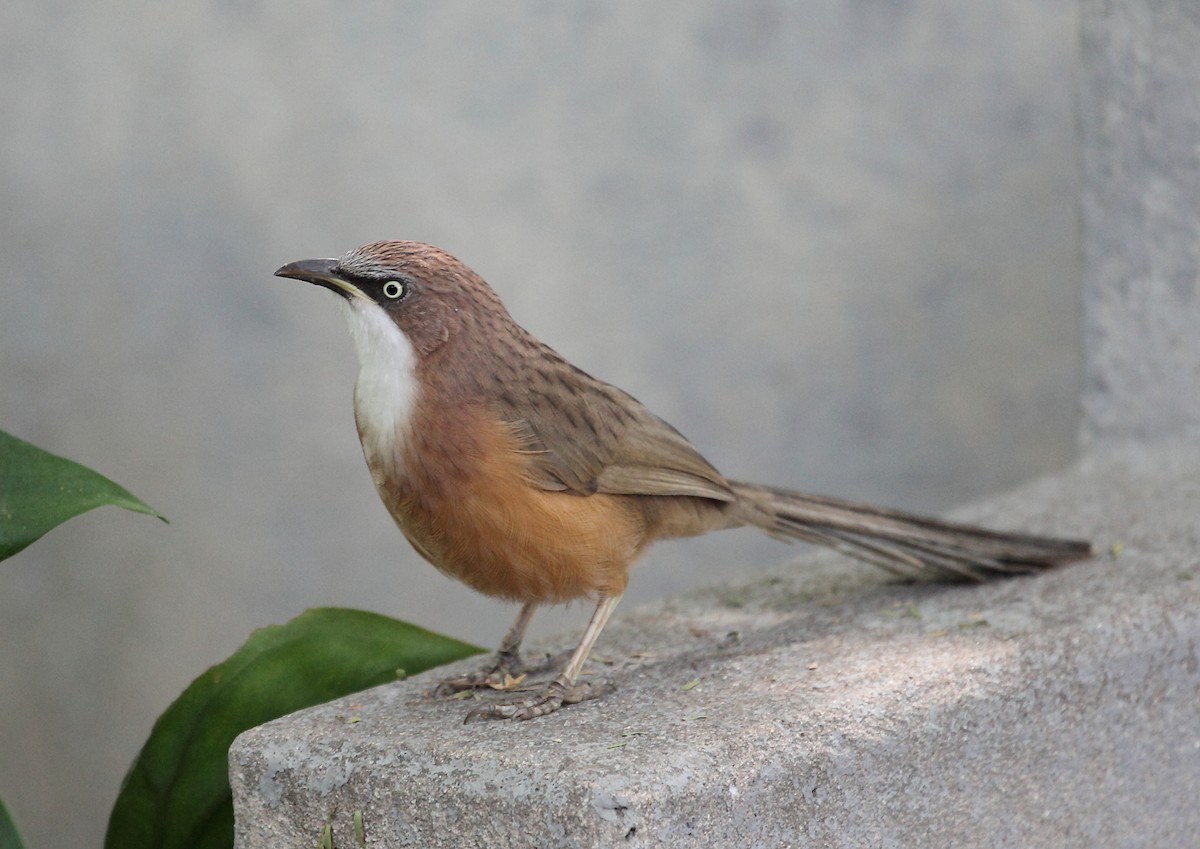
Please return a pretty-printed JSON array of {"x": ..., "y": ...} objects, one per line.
[
  {"x": 557, "y": 694},
  {"x": 506, "y": 673}
]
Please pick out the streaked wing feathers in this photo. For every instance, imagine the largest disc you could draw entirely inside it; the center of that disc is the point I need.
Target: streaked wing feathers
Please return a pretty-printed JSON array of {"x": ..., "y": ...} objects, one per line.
[{"x": 585, "y": 436}]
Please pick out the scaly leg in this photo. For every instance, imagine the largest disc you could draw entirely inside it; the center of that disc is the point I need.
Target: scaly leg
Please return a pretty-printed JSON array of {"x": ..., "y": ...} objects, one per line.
[
  {"x": 563, "y": 690},
  {"x": 508, "y": 663}
]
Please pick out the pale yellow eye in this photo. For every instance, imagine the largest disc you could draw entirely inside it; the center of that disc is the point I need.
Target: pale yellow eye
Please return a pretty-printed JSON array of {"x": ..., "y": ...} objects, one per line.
[{"x": 395, "y": 289}]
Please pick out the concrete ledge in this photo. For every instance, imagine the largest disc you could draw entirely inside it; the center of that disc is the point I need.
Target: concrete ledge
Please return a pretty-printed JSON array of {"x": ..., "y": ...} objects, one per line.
[{"x": 835, "y": 707}]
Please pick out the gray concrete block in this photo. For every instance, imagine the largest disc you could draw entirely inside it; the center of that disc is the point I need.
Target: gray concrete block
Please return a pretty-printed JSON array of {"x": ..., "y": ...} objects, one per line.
[
  {"x": 1140, "y": 122},
  {"x": 834, "y": 707}
]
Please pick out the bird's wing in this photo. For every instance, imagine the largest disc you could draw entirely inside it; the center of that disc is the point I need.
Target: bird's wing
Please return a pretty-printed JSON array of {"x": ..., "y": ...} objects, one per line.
[{"x": 582, "y": 435}]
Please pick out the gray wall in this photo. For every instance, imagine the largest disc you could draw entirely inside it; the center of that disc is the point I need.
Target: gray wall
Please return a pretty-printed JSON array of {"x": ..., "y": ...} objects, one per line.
[{"x": 836, "y": 243}]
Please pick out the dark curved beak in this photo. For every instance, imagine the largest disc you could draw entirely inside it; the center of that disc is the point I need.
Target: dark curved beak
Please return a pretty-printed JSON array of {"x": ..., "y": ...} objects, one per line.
[{"x": 322, "y": 272}]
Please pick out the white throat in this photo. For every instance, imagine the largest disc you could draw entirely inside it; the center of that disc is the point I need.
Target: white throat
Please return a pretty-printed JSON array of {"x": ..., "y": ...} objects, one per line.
[{"x": 386, "y": 391}]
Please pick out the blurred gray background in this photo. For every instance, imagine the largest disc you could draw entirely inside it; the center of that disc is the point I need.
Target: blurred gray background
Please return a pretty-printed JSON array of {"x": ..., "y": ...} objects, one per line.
[{"x": 835, "y": 242}]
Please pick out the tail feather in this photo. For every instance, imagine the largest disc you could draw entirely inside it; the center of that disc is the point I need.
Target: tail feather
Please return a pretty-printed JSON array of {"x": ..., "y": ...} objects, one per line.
[{"x": 906, "y": 543}]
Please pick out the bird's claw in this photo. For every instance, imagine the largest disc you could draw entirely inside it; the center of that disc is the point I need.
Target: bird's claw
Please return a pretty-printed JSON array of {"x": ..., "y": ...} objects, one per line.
[
  {"x": 495, "y": 679},
  {"x": 508, "y": 671},
  {"x": 557, "y": 694}
]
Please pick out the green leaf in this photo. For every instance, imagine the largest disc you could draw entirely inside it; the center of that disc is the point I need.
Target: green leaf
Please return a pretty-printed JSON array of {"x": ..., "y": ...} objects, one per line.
[
  {"x": 10, "y": 838},
  {"x": 39, "y": 491},
  {"x": 177, "y": 791}
]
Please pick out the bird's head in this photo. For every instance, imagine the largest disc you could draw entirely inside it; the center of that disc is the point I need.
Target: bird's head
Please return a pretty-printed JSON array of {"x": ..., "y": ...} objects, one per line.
[{"x": 423, "y": 291}]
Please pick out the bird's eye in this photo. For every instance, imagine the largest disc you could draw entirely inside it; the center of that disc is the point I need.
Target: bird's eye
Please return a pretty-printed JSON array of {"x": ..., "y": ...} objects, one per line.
[{"x": 395, "y": 289}]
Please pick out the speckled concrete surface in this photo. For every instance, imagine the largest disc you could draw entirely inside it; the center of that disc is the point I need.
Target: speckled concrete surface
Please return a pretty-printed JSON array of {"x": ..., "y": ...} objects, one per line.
[{"x": 834, "y": 707}]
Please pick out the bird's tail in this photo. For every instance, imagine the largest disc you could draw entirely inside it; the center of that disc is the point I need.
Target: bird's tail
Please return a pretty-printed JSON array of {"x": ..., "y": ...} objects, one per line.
[{"x": 905, "y": 543}]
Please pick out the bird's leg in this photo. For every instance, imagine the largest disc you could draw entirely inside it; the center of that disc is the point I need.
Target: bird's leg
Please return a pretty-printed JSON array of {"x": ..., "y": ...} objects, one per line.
[
  {"x": 566, "y": 689},
  {"x": 506, "y": 666}
]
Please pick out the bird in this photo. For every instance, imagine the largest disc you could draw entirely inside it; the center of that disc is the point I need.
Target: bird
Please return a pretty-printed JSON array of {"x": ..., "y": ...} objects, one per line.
[{"x": 521, "y": 475}]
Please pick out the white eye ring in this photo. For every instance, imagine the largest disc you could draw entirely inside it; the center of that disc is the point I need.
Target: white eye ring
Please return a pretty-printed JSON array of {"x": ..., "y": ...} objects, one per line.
[{"x": 395, "y": 289}]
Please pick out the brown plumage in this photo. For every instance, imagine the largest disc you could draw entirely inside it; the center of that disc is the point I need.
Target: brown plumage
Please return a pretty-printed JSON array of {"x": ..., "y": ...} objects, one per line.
[{"x": 515, "y": 472}]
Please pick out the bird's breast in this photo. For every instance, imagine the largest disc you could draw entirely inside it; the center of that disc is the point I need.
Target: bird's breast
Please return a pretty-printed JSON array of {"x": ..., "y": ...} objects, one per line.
[{"x": 462, "y": 494}]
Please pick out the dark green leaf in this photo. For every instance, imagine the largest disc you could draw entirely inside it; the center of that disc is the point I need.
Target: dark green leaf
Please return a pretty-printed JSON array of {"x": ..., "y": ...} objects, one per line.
[
  {"x": 177, "y": 791},
  {"x": 39, "y": 491},
  {"x": 10, "y": 838}
]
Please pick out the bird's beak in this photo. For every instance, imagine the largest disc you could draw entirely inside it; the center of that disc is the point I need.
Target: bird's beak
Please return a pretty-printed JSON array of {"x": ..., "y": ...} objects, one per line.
[{"x": 322, "y": 272}]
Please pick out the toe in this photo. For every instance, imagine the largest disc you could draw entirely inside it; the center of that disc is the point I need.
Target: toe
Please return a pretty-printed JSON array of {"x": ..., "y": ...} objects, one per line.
[{"x": 549, "y": 704}]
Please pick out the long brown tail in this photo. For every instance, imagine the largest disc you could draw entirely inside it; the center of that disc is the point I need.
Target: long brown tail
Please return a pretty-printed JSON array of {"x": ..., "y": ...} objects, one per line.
[{"x": 906, "y": 543}]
